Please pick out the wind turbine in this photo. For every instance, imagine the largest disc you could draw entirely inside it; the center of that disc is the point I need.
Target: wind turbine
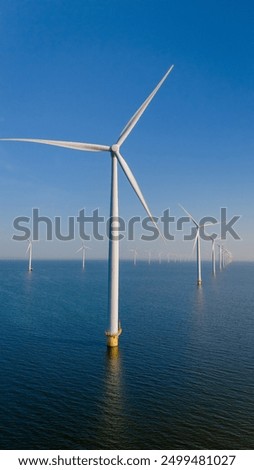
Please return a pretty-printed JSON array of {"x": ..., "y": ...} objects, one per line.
[
  {"x": 134, "y": 256},
  {"x": 213, "y": 256},
  {"x": 228, "y": 257},
  {"x": 83, "y": 249},
  {"x": 196, "y": 242},
  {"x": 220, "y": 256},
  {"x": 30, "y": 250},
  {"x": 159, "y": 256},
  {"x": 224, "y": 251},
  {"x": 149, "y": 256},
  {"x": 114, "y": 329}
]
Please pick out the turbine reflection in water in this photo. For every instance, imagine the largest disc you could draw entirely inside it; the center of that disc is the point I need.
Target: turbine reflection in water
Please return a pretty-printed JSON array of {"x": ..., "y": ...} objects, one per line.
[{"x": 113, "y": 425}]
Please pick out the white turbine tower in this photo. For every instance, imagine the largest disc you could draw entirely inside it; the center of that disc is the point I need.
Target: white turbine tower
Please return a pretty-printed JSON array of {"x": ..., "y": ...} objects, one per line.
[
  {"x": 114, "y": 329},
  {"x": 149, "y": 256},
  {"x": 83, "y": 248},
  {"x": 220, "y": 256},
  {"x": 159, "y": 256},
  {"x": 224, "y": 256},
  {"x": 228, "y": 257},
  {"x": 30, "y": 250},
  {"x": 134, "y": 256},
  {"x": 196, "y": 242},
  {"x": 213, "y": 256}
]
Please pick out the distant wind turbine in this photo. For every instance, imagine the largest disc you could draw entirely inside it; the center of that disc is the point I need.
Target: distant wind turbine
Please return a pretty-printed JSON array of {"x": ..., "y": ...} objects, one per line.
[
  {"x": 114, "y": 329},
  {"x": 220, "y": 256},
  {"x": 197, "y": 242},
  {"x": 83, "y": 249},
  {"x": 224, "y": 257},
  {"x": 30, "y": 250},
  {"x": 228, "y": 257},
  {"x": 149, "y": 256},
  {"x": 159, "y": 256},
  {"x": 134, "y": 256},
  {"x": 213, "y": 256}
]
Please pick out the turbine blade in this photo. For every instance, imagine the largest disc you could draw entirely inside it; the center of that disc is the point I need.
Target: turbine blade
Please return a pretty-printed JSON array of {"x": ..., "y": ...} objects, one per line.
[
  {"x": 65, "y": 144},
  {"x": 211, "y": 238},
  {"x": 207, "y": 224},
  {"x": 28, "y": 248},
  {"x": 195, "y": 241},
  {"x": 193, "y": 220},
  {"x": 133, "y": 121},
  {"x": 79, "y": 249},
  {"x": 133, "y": 183},
  {"x": 136, "y": 187}
]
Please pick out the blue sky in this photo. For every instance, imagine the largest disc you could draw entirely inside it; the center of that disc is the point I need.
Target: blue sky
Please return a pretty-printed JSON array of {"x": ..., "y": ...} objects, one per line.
[{"x": 78, "y": 71}]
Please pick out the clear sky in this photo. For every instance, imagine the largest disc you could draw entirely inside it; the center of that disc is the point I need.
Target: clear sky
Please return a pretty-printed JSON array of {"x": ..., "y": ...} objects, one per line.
[{"x": 78, "y": 70}]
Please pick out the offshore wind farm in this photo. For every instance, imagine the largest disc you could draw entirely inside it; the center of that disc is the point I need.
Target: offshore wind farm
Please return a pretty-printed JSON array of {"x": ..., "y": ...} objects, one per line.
[
  {"x": 114, "y": 329},
  {"x": 129, "y": 326}
]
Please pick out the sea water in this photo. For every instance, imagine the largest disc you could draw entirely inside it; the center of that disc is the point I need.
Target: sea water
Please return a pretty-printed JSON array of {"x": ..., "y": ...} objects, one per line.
[{"x": 182, "y": 378}]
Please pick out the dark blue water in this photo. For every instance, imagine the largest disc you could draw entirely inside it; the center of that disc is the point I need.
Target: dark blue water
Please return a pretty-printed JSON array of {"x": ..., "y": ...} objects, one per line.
[{"x": 183, "y": 377}]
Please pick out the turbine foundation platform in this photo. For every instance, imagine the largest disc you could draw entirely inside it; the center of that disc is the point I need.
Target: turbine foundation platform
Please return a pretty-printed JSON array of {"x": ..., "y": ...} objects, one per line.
[
  {"x": 112, "y": 340},
  {"x": 199, "y": 282}
]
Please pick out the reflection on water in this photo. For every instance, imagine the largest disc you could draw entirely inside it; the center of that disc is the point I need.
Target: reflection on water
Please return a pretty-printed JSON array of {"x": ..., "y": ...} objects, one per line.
[
  {"x": 28, "y": 281},
  {"x": 113, "y": 384},
  {"x": 200, "y": 299},
  {"x": 112, "y": 425}
]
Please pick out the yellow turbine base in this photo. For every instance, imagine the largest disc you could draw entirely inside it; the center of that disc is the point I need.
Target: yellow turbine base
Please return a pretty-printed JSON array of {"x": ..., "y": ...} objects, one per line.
[
  {"x": 112, "y": 340},
  {"x": 199, "y": 282}
]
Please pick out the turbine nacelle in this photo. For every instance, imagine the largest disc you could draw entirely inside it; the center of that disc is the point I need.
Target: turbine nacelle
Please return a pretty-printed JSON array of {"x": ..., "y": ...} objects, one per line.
[{"x": 115, "y": 148}]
